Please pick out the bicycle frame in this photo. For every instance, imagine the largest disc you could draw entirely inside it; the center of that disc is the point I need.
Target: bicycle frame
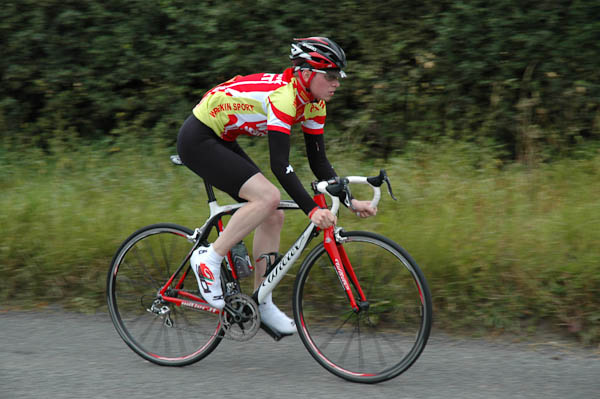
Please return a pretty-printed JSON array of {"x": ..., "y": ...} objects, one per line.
[
  {"x": 276, "y": 272},
  {"x": 358, "y": 338},
  {"x": 336, "y": 253}
]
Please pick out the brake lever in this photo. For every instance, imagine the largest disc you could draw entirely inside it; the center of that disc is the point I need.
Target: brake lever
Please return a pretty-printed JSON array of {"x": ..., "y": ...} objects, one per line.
[
  {"x": 377, "y": 181},
  {"x": 389, "y": 185},
  {"x": 348, "y": 199}
]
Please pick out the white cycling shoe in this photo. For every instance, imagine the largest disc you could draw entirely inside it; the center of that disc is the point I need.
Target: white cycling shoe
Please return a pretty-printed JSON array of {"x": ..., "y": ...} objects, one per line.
[
  {"x": 209, "y": 278},
  {"x": 276, "y": 319}
]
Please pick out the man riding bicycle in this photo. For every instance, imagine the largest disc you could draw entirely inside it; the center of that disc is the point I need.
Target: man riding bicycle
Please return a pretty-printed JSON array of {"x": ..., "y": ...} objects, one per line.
[{"x": 263, "y": 104}]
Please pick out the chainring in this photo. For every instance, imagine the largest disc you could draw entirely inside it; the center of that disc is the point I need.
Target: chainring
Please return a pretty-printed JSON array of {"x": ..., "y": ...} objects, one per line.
[{"x": 240, "y": 318}]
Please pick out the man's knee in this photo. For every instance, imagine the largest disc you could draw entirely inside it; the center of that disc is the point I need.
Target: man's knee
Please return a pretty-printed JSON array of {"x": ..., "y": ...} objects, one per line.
[
  {"x": 271, "y": 197},
  {"x": 275, "y": 220},
  {"x": 259, "y": 189}
]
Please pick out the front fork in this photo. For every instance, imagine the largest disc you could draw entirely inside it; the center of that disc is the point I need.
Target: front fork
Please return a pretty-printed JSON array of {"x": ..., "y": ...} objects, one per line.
[
  {"x": 344, "y": 270},
  {"x": 333, "y": 244}
]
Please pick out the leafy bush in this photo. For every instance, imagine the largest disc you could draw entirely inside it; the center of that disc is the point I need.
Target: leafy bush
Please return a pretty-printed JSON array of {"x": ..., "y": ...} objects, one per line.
[{"x": 521, "y": 73}]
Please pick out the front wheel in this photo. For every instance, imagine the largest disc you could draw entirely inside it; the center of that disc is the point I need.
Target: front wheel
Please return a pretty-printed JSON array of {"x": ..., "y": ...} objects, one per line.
[
  {"x": 389, "y": 332},
  {"x": 158, "y": 331}
]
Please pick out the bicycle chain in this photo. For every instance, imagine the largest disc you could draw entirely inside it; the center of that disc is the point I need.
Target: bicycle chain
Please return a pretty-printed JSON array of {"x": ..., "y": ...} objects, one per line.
[{"x": 242, "y": 330}]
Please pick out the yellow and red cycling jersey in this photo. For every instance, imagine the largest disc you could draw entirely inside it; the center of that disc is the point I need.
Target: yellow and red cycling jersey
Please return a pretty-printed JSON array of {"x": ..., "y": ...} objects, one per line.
[{"x": 253, "y": 104}]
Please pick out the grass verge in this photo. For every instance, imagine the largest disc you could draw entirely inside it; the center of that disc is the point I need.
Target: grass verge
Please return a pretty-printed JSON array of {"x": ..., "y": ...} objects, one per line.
[{"x": 505, "y": 248}]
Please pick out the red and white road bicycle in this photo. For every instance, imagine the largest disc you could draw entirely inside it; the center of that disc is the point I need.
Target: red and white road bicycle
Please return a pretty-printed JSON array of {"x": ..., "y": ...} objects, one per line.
[{"x": 361, "y": 304}]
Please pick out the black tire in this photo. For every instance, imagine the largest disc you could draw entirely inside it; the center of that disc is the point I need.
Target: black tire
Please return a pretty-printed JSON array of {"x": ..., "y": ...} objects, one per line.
[
  {"x": 141, "y": 266},
  {"x": 374, "y": 344}
]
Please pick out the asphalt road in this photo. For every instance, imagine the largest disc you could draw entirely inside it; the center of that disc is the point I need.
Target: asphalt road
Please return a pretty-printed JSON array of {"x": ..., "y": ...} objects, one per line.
[{"x": 56, "y": 354}]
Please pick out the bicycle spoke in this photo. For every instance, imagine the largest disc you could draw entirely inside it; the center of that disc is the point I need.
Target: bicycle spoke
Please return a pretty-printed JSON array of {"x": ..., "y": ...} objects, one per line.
[
  {"x": 346, "y": 347},
  {"x": 160, "y": 339},
  {"x": 143, "y": 265},
  {"x": 391, "y": 343},
  {"x": 155, "y": 262},
  {"x": 165, "y": 257},
  {"x": 136, "y": 283},
  {"x": 146, "y": 331},
  {"x": 371, "y": 278},
  {"x": 380, "y": 355},
  {"x": 361, "y": 363},
  {"x": 181, "y": 341},
  {"x": 332, "y": 335},
  {"x": 138, "y": 318}
]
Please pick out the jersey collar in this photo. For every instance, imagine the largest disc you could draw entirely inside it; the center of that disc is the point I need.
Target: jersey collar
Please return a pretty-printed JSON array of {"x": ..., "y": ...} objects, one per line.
[{"x": 303, "y": 95}]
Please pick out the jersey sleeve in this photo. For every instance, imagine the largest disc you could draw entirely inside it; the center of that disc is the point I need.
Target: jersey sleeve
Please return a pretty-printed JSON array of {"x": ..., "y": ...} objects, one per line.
[
  {"x": 317, "y": 158},
  {"x": 280, "y": 110},
  {"x": 279, "y": 149}
]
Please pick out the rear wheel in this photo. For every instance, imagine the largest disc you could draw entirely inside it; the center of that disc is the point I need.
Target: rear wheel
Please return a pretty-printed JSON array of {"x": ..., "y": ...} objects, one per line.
[
  {"x": 158, "y": 331},
  {"x": 388, "y": 334}
]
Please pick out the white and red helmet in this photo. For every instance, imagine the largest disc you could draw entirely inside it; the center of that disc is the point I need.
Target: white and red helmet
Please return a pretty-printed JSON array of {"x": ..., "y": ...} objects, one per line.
[{"x": 318, "y": 53}]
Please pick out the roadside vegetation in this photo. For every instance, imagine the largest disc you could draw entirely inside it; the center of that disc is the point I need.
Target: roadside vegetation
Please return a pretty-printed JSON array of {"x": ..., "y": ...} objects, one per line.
[{"x": 505, "y": 248}]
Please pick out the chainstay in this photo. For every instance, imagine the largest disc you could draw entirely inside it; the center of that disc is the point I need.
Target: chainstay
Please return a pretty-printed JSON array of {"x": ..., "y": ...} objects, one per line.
[{"x": 222, "y": 330}]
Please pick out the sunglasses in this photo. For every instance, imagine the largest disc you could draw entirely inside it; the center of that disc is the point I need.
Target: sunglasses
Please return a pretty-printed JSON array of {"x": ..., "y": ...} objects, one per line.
[{"x": 331, "y": 74}]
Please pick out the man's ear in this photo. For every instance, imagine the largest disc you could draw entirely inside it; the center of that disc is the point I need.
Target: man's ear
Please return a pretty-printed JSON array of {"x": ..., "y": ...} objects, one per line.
[{"x": 306, "y": 74}]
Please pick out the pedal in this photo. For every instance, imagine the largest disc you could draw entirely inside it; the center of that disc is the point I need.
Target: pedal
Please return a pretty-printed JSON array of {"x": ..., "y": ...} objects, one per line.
[{"x": 276, "y": 335}]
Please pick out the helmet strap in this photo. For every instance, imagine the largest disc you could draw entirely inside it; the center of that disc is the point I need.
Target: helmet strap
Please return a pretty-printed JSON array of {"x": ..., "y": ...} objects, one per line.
[{"x": 306, "y": 83}]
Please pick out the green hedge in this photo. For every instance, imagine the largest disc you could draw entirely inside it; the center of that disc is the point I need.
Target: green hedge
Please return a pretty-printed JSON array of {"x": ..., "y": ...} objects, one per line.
[{"x": 522, "y": 74}]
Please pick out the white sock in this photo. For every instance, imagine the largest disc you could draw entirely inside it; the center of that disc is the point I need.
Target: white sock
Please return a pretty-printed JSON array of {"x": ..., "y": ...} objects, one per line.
[{"x": 213, "y": 257}]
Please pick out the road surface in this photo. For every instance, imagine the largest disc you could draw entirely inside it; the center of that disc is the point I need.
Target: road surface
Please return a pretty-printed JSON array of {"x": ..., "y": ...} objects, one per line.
[{"x": 57, "y": 354}]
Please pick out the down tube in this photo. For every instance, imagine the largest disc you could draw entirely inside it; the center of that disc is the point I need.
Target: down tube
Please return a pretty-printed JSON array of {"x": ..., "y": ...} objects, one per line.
[{"x": 275, "y": 275}]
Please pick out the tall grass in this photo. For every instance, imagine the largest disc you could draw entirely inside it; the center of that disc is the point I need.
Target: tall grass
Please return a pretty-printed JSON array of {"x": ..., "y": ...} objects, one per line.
[
  {"x": 508, "y": 248},
  {"x": 504, "y": 247}
]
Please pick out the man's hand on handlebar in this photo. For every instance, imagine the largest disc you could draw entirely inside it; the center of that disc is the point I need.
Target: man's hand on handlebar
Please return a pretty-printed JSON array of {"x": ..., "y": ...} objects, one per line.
[
  {"x": 338, "y": 188},
  {"x": 363, "y": 209},
  {"x": 323, "y": 218}
]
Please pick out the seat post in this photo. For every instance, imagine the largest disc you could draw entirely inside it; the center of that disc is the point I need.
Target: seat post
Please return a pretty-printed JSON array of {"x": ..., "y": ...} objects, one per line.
[{"x": 209, "y": 192}]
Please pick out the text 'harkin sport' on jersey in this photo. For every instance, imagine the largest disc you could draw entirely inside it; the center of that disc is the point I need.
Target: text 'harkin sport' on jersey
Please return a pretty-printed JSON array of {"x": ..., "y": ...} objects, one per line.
[{"x": 253, "y": 104}]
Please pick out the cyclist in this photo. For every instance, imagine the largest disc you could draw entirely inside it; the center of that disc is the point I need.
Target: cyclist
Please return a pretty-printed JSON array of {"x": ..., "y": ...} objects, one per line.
[{"x": 263, "y": 104}]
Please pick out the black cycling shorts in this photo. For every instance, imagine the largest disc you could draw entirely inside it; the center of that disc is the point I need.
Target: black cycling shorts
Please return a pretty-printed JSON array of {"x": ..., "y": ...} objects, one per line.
[{"x": 223, "y": 164}]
